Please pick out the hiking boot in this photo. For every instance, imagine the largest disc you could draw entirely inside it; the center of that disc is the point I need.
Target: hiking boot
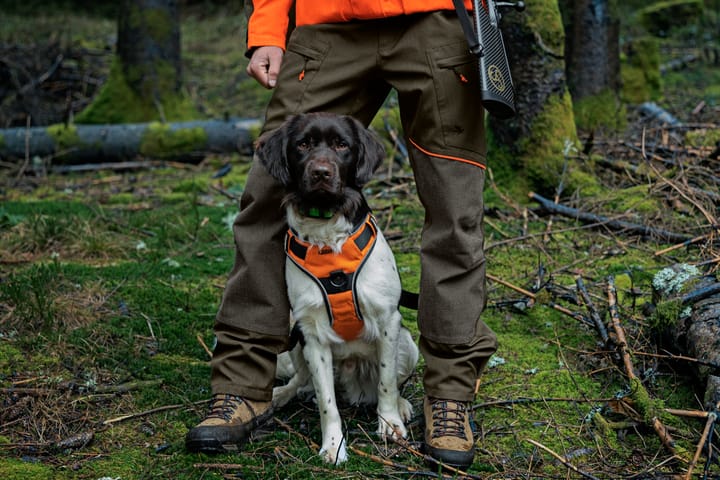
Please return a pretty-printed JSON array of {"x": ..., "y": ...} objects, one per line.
[
  {"x": 228, "y": 425},
  {"x": 448, "y": 436}
]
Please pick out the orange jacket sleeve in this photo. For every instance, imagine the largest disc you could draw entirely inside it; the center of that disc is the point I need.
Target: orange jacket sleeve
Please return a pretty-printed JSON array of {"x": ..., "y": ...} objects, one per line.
[{"x": 268, "y": 23}]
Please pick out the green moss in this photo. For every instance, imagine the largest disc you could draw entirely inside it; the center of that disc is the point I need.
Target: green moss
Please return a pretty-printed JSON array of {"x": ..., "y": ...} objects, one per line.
[
  {"x": 159, "y": 140},
  {"x": 632, "y": 199},
  {"x": 193, "y": 185},
  {"x": 660, "y": 17},
  {"x": 605, "y": 431},
  {"x": 65, "y": 136},
  {"x": 544, "y": 151},
  {"x": 711, "y": 95},
  {"x": 544, "y": 18},
  {"x": 666, "y": 314},
  {"x": 11, "y": 469},
  {"x": 603, "y": 111},
  {"x": 640, "y": 72},
  {"x": 703, "y": 138},
  {"x": 117, "y": 102},
  {"x": 648, "y": 407},
  {"x": 11, "y": 359}
]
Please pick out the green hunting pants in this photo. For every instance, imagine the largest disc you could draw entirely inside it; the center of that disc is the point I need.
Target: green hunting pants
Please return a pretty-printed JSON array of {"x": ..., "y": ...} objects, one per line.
[{"x": 350, "y": 68}]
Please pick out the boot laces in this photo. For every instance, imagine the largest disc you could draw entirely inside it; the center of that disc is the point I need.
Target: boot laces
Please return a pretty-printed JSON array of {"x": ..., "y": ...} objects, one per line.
[
  {"x": 448, "y": 419},
  {"x": 224, "y": 406}
]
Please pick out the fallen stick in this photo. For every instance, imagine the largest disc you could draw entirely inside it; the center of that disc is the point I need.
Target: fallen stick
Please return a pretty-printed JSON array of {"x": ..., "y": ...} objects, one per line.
[
  {"x": 712, "y": 417},
  {"x": 570, "y": 212},
  {"x": 527, "y": 400},
  {"x": 145, "y": 413},
  {"x": 638, "y": 390},
  {"x": 671, "y": 356},
  {"x": 682, "y": 244},
  {"x": 619, "y": 332},
  {"x": 594, "y": 315},
  {"x": 562, "y": 460},
  {"x": 532, "y": 297},
  {"x": 687, "y": 413}
]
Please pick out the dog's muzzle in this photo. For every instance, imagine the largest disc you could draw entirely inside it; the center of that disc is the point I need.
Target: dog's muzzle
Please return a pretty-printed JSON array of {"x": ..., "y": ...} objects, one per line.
[{"x": 322, "y": 174}]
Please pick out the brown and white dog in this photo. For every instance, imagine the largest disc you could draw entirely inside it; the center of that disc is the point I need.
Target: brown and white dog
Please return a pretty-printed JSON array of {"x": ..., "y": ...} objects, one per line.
[{"x": 323, "y": 161}]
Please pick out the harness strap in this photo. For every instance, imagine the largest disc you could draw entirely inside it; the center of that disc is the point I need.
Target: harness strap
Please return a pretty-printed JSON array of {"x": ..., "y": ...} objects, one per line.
[{"x": 336, "y": 275}]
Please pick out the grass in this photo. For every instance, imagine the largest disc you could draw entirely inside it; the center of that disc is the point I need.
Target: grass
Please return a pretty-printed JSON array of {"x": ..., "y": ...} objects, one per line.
[
  {"x": 77, "y": 322},
  {"x": 110, "y": 283}
]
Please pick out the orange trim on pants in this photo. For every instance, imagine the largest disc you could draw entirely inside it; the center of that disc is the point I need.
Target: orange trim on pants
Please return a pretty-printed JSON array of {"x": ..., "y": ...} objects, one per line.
[{"x": 446, "y": 157}]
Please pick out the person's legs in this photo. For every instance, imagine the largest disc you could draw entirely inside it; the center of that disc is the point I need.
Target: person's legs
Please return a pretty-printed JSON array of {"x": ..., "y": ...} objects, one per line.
[{"x": 439, "y": 93}]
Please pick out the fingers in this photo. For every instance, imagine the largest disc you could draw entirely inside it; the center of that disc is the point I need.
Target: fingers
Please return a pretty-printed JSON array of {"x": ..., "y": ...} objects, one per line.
[{"x": 264, "y": 65}]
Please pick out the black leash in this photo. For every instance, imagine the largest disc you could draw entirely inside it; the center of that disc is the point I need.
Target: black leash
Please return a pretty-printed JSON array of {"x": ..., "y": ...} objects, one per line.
[{"x": 409, "y": 300}]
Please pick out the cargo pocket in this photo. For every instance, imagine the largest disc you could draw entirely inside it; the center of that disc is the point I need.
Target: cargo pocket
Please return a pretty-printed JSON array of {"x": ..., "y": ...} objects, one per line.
[
  {"x": 457, "y": 88},
  {"x": 303, "y": 59}
]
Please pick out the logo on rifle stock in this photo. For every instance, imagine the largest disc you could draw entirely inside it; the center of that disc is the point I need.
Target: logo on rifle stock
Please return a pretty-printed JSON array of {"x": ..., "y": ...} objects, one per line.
[{"x": 496, "y": 77}]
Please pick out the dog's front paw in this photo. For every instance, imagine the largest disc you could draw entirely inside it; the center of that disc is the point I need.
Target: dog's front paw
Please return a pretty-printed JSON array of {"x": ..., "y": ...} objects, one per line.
[
  {"x": 334, "y": 454},
  {"x": 282, "y": 395},
  {"x": 405, "y": 408},
  {"x": 392, "y": 426}
]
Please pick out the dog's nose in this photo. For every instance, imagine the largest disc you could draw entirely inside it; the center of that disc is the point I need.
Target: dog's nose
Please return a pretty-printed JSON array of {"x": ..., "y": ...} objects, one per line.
[{"x": 321, "y": 172}]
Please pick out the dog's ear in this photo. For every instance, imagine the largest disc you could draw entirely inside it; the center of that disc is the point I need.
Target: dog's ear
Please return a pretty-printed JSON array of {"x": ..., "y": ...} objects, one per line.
[
  {"x": 271, "y": 149},
  {"x": 370, "y": 154}
]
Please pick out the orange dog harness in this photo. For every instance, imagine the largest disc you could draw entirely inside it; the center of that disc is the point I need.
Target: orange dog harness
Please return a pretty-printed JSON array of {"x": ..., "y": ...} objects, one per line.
[{"x": 336, "y": 274}]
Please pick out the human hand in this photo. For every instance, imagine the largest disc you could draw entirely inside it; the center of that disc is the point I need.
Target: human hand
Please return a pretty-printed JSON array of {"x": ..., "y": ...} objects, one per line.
[{"x": 265, "y": 64}]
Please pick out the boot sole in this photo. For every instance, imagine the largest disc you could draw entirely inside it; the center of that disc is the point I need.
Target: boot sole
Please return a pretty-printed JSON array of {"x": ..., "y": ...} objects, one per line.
[
  {"x": 453, "y": 458},
  {"x": 204, "y": 440}
]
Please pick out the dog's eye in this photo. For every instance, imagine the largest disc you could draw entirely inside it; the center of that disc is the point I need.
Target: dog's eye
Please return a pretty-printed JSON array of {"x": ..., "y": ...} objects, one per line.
[
  {"x": 341, "y": 145},
  {"x": 303, "y": 145}
]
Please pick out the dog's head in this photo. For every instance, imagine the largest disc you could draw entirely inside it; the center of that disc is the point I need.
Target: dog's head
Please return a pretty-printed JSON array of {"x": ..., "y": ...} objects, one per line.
[{"x": 322, "y": 159}]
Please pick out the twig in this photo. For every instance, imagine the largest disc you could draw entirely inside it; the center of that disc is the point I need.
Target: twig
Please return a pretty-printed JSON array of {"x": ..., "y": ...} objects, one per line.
[
  {"x": 672, "y": 356},
  {"x": 687, "y": 413},
  {"x": 149, "y": 324},
  {"x": 457, "y": 473},
  {"x": 523, "y": 400},
  {"x": 613, "y": 224},
  {"x": 683, "y": 244},
  {"x": 660, "y": 429},
  {"x": 204, "y": 346},
  {"x": 562, "y": 460},
  {"x": 594, "y": 315},
  {"x": 533, "y": 297},
  {"x": 130, "y": 416},
  {"x": 619, "y": 332},
  {"x": 712, "y": 417},
  {"x": 495, "y": 279},
  {"x": 710, "y": 218},
  {"x": 225, "y": 193}
]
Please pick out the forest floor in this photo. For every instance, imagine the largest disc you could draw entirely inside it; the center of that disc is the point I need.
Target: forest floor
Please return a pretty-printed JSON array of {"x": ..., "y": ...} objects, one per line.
[{"x": 110, "y": 280}]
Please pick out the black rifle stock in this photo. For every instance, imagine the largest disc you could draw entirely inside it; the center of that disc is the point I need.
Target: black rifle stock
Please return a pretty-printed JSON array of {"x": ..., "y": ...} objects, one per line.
[{"x": 485, "y": 41}]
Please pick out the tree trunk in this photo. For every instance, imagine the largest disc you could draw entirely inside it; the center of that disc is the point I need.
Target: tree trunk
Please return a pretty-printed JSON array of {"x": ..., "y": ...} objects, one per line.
[
  {"x": 145, "y": 81},
  {"x": 539, "y": 140},
  {"x": 182, "y": 141},
  {"x": 148, "y": 47},
  {"x": 592, "y": 47}
]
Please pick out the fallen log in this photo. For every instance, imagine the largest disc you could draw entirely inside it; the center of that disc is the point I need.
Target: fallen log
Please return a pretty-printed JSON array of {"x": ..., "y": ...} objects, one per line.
[
  {"x": 685, "y": 315},
  {"x": 585, "y": 217},
  {"x": 180, "y": 141}
]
